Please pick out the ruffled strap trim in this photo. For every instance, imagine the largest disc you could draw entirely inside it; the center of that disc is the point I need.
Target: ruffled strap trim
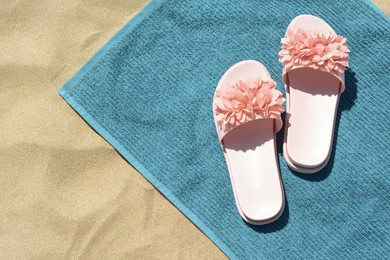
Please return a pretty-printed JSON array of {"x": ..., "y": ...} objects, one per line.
[
  {"x": 318, "y": 50},
  {"x": 248, "y": 100}
]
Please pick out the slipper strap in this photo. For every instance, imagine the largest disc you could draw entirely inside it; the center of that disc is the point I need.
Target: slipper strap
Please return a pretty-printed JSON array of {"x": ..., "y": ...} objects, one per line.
[
  {"x": 245, "y": 101},
  {"x": 312, "y": 49}
]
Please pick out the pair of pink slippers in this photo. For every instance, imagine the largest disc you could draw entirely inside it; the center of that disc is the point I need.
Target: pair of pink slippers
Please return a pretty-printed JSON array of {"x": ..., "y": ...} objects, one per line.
[{"x": 247, "y": 113}]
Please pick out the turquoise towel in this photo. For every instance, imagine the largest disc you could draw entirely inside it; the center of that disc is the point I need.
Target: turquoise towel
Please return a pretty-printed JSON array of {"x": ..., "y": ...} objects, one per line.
[{"x": 149, "y": 92}]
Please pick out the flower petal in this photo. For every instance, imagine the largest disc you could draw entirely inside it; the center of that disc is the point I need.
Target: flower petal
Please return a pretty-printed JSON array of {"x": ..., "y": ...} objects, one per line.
[{"x": 319, "y": 50}]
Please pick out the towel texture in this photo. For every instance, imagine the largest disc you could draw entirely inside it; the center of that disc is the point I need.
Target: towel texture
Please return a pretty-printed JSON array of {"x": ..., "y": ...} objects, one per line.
[{"x": 149, "y": 92}]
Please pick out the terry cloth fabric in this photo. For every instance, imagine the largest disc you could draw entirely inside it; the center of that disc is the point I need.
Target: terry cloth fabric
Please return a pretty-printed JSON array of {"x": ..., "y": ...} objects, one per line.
[{"x": 149, "y": 92}]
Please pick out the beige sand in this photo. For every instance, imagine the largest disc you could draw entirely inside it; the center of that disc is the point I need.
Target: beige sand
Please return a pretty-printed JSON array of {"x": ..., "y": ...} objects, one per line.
[{"x": 65, "y": 193}]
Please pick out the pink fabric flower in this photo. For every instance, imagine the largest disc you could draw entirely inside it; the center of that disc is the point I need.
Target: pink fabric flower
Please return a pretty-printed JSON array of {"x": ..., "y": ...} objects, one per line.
[
  {"x": 247, "y": 100},
  {"x": 325, "y": 51}
]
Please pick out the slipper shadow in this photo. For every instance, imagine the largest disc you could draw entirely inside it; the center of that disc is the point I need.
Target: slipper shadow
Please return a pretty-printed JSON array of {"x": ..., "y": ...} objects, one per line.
[{"x": 347, "y": 101}]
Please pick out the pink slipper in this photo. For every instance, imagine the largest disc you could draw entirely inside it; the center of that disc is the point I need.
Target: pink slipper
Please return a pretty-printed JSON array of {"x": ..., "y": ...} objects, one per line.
[
  {"x": 314, "y": 59},
  {"x": 247, "y": 111}
]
